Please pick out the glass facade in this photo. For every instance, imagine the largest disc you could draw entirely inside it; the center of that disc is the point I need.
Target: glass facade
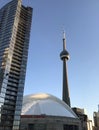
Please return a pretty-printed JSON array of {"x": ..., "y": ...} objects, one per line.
[{"x": 15, "y": 23}]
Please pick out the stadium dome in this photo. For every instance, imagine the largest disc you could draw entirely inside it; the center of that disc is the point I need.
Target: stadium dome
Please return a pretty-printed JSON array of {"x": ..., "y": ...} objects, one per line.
[{"x": 46, "y": 104}]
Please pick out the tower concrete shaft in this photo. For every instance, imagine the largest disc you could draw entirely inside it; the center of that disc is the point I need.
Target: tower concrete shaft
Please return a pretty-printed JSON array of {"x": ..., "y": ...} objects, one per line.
[{"x": 64, "y": 55}]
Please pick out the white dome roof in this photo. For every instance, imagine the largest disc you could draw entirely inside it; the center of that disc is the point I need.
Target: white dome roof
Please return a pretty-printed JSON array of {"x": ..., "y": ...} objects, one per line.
[{"x": 38, "y": 104}]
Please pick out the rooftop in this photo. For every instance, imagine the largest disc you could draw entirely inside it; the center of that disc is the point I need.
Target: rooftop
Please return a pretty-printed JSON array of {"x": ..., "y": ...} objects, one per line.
[{"x": 46, "y": 104}]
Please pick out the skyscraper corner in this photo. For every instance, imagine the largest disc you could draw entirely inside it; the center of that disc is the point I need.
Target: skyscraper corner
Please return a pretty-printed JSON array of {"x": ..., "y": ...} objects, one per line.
[
  {"x": 64, "y": 55},
  {"x": 15, "y": 24}
]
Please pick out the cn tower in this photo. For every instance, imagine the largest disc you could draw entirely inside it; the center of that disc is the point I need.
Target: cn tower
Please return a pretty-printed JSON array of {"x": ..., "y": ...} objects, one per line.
[{"x": 64, "y": 55}]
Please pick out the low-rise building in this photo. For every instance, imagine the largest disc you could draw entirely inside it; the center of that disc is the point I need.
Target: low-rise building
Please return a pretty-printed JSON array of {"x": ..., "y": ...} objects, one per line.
[
  {"x": 96, "y": 119},
  {"x": 86, "y": 124}
]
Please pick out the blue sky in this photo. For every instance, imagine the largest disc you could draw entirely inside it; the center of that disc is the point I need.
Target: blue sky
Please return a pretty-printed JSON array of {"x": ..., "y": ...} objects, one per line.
[{"x": 80, "y": 20}]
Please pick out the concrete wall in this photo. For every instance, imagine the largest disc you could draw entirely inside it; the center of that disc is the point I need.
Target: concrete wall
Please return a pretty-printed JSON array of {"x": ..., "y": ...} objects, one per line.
[{"x": 48, "y": 122}]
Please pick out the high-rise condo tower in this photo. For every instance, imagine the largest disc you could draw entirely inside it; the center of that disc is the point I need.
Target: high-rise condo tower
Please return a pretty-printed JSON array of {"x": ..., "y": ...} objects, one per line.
[
  {"x": 64, "y": 55},
  {"x": 15, "y": 23}
]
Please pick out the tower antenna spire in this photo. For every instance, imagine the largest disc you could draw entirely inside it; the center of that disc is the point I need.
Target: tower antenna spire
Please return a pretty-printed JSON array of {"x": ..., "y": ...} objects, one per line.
[
  {"x": 64, "y": 35},
  {"x": 64, "y": 40}
]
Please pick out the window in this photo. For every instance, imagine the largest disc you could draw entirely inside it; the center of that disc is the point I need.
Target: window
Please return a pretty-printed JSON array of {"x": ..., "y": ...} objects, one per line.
[
  {"x": 30, "y": 126},
  {"x": 71, "y": 127}
]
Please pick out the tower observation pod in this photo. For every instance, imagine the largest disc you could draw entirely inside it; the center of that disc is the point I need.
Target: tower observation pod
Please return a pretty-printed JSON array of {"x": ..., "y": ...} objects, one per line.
[{"x": 64, "y": 55}]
